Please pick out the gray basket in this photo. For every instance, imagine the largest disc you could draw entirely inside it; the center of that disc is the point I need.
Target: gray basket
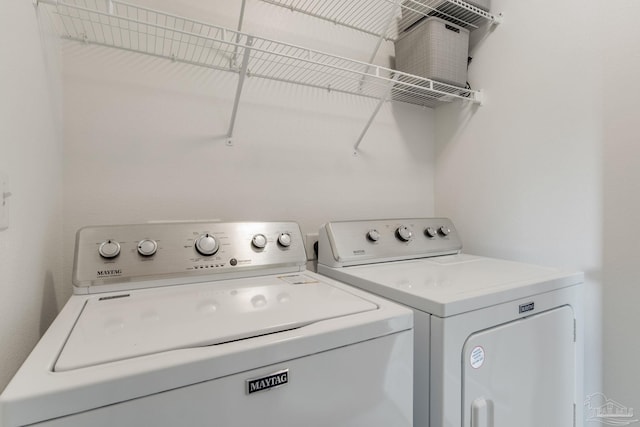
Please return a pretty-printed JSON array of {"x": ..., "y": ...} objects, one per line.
[
  {"x": 414, "y": 10},
  {"x": 434, "y": 49}
]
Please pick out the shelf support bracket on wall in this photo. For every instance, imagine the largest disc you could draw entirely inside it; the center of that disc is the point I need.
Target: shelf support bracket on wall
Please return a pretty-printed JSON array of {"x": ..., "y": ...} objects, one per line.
[
  {"x": 384, "y": 99},
  {"x": 239, "y": 29},
  {"x": 241, "y": 19},
  {"x": 498, "y": 19},
  {"x": 393, "y": 12},
  {"x": 241, "y": 76}
]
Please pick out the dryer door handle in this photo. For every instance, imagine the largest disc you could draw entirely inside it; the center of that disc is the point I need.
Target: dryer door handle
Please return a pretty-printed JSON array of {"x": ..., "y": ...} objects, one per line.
[{"x": 482, "y": 412}]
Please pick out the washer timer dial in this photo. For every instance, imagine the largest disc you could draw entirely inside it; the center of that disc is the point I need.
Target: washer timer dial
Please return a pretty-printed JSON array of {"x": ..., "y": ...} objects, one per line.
[{"x": 206, "y": 245}]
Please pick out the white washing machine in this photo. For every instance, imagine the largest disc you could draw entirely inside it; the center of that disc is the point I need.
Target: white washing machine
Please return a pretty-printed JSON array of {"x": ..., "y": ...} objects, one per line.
[
  {"x": 497, "y": 343},
  {"x": 213, "y": 324}
]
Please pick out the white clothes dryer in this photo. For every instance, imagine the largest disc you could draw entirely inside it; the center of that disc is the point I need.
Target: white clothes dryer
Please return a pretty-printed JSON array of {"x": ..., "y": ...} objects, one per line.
[
  {"x": 497, "y": 343},
  {"x": 213, "y": 324}
]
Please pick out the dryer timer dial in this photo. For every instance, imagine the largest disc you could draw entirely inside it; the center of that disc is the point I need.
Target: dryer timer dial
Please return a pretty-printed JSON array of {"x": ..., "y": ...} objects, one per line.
[{"x": 403, "y": 233}]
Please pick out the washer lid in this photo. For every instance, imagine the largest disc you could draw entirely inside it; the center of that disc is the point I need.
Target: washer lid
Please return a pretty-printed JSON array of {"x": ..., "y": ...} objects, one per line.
[
  {"x": 454, "y": 284},
  {"x": 120, "y": 326}
]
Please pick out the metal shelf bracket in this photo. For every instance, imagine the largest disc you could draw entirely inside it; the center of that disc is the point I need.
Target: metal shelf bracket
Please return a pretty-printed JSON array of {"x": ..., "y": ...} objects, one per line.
[
  {"x": 384, "y": 99},
  {"x": 241, "y": 77},
  {"x": 393, "y": 12},
  {"x": 498, "y": 19}
]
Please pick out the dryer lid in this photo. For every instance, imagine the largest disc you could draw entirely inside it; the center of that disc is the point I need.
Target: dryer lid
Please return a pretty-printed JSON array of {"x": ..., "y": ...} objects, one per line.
[
  {"x": 454, "y": 284},
  {"x": 121, "y": 326}
]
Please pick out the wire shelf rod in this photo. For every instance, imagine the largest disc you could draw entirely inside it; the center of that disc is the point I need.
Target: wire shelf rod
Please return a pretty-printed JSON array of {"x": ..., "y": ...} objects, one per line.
[
  {"x": 424, "y": 10},
  {"x": 371, "y": 16},
  {"x": 212, "y": 67},
  {"x": 324, "y": 18},
  {"x": 197, "y": 43}
]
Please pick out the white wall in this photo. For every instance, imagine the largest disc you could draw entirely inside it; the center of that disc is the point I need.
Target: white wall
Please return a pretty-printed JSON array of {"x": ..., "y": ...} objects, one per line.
[
  {"x": 31, "y": 157},
  {"x": 143, "y": 137},
  {"x": 622, "y": 204},
  {"x": 521, "y": 176}
]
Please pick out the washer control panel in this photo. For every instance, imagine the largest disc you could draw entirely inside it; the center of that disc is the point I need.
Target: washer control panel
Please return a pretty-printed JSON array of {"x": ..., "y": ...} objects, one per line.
[
  {"x": 142, "y": 252},
  {"x": 346, "y": 243}
]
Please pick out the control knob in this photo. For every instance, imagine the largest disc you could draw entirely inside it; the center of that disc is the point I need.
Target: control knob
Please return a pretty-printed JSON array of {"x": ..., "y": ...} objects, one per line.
[
  {"x": 373, "y": 235},
  {"x": 147, "y": 247},
  {"x": 206, "y": 245},
  {"x": 109, "y": 249},
  {"x": 444, "y": 231},
  {"x": 404, "y": 233},
  {"x": 259, "y": 241},
  {"x": 284, "y": 239},
  {"x": 430, "y": 232}
]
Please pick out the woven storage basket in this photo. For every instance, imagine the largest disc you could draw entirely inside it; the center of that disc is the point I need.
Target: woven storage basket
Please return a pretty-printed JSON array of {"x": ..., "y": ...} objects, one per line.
[
  {"x": 414, "y": 10},
  {"x": 434, "y": 49}
]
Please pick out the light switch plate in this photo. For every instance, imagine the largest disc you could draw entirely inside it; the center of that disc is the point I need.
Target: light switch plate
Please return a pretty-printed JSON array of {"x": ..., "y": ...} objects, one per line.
[{"x": 5, "y": 194}]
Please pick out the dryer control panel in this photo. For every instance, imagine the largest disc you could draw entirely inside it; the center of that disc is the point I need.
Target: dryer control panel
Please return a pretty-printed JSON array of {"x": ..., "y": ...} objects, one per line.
[
  {"x": 345, "y": 243},
  {"x": 183, "y": 253}
]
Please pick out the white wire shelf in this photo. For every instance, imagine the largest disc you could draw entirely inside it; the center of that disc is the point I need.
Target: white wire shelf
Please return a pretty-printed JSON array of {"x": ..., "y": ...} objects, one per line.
[
  {"x": 129, "y": 27},
  {"x": 386, "y": 18}
]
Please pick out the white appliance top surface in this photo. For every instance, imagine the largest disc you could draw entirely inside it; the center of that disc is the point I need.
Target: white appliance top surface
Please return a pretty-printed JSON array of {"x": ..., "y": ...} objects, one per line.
[
  {"x": 452, "y": 284},
  {"x": 142, "y": 322},
  {"x": 159, "y": 307}
]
